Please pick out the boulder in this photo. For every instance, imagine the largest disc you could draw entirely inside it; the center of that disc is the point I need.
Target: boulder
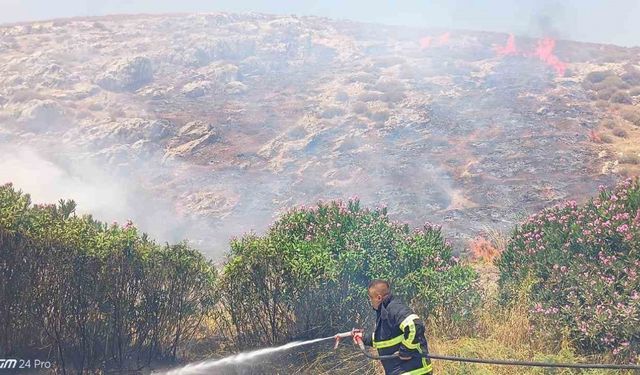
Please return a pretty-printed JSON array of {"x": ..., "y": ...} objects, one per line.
[
  {"x": 126, "y": 75},
  {"x": 196, "y": 89}
]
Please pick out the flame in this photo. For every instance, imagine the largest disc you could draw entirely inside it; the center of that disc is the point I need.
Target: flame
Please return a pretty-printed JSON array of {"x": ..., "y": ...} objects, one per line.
[
  {"x": 544, "y": 51},
  {"x": 425, "y": 42},
  {"x": 440, "y": 40},
  {"x": 509, "y": 48},
  {"x": 444, "y": 38}
]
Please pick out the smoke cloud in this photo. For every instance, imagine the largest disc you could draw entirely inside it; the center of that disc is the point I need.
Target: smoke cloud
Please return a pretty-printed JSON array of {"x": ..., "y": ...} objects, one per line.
[{"x": 108, "y": 195}]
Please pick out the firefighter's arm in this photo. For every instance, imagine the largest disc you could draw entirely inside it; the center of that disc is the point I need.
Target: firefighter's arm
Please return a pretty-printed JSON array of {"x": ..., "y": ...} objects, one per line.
[{"x": 412, "y": 328}]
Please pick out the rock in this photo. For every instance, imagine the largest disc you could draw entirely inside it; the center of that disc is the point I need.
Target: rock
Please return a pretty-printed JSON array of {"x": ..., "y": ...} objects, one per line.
[
  {"x": 235, "y": 87},
  {"x": 196, "y": 89},
  {"x": 226, "y": 73},
  {"x": 194, "y": 129},
  {"x": 159, "y": 129},
  {"x": 253, "y": 66},
  {"x": 83, "y": 91},
  {"x": 191, "y": 137},
  {"x": 204, "y": 53},
  {"x": 126, "y": 75},
  {"x": 132, "y": 130},
  {"x": 220, "y": 73},
  {"x": 189, "y": 147},
  {"x": 52, "y": 75}
]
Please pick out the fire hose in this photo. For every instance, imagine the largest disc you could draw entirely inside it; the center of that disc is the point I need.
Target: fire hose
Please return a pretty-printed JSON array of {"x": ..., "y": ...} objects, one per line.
[{"x": 358, "y": 340}]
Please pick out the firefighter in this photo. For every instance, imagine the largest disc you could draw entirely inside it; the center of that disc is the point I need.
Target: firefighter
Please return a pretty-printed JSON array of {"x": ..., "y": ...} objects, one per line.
[{"x": 398, "y": 330}]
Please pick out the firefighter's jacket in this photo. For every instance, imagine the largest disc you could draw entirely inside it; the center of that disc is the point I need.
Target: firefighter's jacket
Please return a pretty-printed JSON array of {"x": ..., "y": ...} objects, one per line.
[{"x": 399, "y": 330}]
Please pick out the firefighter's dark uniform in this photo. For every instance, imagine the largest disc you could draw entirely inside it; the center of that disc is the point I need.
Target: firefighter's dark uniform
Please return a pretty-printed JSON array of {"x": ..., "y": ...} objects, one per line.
[{"x": 399, "y": 330}]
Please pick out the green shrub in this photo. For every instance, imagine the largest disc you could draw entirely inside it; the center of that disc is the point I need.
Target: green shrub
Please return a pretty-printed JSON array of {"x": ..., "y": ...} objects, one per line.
[
  {"x": 608, "y": 123},
  {"x": 585, "y": 265},
  {"x": 331, "y": 112},
  {"x": 605, "y": 83},
  {"x": 307, "y": 275},
  {"x": 631, "y": 75},
  {"x": 630, "y": 159},
  {"x": 611, "y": 82},
  {"x": 606, "y": 93},
  {"x": 621, "y": 97},
  {"x": 379, "y": 116},
  {"x": 342, "y": 96},
  {"x": 619, "y": 132},
  {"x": 96, "y": 295},
  {"x": 631, "y": 114},
  {"x": 359, "y": 107},
  {"x": 598, "y": 76}
]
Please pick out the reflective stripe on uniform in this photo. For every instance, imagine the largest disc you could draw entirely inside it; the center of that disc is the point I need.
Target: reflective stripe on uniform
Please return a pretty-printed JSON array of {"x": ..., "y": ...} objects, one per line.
[
  {"x": 419, "y": 371},
  {"x": 425, "y": 365},
  {"x": 387, "y": 343},
  {"x": 408, "y": 322},
  {"x": 425, "y": 369},
  {"x": 408, "y": 342}
]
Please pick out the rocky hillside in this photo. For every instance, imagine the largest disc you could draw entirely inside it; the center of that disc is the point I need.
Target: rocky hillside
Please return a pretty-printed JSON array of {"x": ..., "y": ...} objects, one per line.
[{"x": 218, "y": 122}]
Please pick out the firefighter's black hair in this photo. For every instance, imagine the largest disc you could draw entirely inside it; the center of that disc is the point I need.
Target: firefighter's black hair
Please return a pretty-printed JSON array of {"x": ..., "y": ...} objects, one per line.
[{"x": 376, "y": 282}]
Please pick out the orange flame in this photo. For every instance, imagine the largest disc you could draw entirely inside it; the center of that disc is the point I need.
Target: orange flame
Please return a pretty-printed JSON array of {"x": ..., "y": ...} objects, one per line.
[
  {"x": 440, "y": 40},
  {"x": 425, "y": 42},
  {"x": 544, "y": 52},
  {"x": 444, "y": 38},
  {"x": 509, "y": 48}
]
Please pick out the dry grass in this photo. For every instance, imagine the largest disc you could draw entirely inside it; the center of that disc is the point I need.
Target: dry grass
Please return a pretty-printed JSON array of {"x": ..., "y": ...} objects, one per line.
[
  {"x": 602, "y": 104},
  {"x": 346, "y": 360},
  {"x": 630, "y": 159},
  {"x": 483, "y": 250}
]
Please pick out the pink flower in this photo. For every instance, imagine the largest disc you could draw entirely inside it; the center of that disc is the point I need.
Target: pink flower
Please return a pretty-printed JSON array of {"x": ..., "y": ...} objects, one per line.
[{"x": 623, "y": 228}]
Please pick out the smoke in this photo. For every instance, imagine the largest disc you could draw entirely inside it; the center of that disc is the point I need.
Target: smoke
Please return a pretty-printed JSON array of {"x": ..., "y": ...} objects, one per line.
[
  {"x": 48, "y": 175},
  {"x": 47, "y": 181},
  {"x": 546, "y": 21}
]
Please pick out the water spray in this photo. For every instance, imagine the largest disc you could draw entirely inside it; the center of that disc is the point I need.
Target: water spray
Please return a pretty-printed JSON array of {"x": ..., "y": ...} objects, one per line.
[{"x": 205, "y": 367}]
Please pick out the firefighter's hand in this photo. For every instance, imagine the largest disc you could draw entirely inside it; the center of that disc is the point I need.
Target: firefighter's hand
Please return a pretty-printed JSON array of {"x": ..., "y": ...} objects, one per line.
[{"x": 356, "y": 334}]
